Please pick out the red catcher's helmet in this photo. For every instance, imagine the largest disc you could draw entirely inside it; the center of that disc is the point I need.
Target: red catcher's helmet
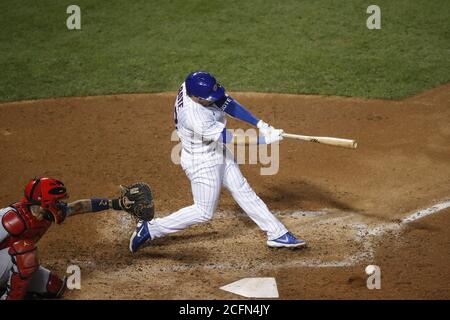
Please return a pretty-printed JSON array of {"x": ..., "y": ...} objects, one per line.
[{"x": 47, "y": 193}]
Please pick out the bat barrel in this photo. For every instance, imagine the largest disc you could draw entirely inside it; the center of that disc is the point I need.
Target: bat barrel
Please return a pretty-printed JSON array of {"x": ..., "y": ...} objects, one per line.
[{"x": 337, "y": 142}]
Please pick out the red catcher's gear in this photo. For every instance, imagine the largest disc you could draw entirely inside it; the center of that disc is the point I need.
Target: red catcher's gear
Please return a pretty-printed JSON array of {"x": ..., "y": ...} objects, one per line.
[
  {"x": 20, "y": 215},
  {"x": 47, "y": 193},
  {"x": 13, "y": 223},
  {"x": 26, "y": 262},
  {"x": 17, "y": 287},
  {"x": 25, "y": 230},
  {"x": 55, "y": 286}
]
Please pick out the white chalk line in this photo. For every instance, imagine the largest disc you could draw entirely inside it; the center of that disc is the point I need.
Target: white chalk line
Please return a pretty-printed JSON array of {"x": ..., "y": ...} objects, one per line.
[
  {"x": 426, "y": 212},
  {"x": 365, "y": 235}
]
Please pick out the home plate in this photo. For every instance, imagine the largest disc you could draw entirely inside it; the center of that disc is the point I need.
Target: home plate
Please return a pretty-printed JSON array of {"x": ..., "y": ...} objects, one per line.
[{"x": 253, "y": 288}]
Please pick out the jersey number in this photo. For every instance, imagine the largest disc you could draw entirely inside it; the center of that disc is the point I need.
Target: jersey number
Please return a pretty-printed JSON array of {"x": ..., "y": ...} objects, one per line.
[{"x": 178, "y": 104}]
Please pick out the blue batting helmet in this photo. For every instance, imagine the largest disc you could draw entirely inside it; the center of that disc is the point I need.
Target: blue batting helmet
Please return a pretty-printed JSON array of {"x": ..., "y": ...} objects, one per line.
[{"x": 203, "y": 85}]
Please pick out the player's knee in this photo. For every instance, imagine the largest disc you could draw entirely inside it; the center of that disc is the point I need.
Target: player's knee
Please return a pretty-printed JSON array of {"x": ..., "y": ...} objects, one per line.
[
  {"x": 239, "y": 186},
  {"x": 204, "y": 213},
  {"x": 25, "y": 258}
]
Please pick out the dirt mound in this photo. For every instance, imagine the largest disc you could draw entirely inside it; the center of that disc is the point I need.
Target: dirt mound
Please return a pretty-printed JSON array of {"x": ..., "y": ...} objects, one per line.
[{"x": 327, "y": 195}]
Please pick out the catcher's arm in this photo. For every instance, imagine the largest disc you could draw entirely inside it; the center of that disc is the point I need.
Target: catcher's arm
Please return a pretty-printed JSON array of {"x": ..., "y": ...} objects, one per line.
[
  {"x": 136, "y": 199},
  {"x": 92, "y": 205}
]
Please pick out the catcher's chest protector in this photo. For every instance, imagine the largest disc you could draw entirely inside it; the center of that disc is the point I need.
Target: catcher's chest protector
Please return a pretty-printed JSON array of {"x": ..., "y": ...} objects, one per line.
[{"x": 22, "y": 225}]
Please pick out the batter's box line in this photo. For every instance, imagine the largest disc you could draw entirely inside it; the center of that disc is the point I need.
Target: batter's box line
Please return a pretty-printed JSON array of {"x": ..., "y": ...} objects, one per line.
[{"x": 367, "y": 235}]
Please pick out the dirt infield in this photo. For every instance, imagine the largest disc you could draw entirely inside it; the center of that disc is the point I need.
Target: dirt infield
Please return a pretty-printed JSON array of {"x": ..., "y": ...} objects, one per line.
[{"x": 348, "y": 204}]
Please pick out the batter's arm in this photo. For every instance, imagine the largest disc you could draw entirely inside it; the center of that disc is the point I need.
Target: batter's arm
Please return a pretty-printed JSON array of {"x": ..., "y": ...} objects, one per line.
[
  {"x": 228, "y": 137},
  {"x": 245, "y": 140},
  {"x": 236, "y": 110}
]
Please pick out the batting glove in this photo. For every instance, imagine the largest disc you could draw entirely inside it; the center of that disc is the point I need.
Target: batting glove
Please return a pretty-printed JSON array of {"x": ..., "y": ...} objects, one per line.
[
  {"x": 264, "y": 128},
  {"x": 275, "y": 136}
]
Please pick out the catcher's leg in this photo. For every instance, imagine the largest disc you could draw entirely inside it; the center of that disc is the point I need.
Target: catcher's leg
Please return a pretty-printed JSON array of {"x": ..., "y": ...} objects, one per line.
[
  {"x": 5, "y": 269},
  {"x": 206, "y": 183},
  {"x": 25, "y": 264},
  {"x": 46, "y": 284},
  {"x": 247, "y": 199}
]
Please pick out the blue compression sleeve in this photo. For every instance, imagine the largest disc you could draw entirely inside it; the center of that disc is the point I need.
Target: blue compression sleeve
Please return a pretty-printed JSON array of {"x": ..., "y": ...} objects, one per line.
[
  {"x": 227, "y": 136},
  {"x": 234, "y": 109},
  {"x": 261, "y": 140}
]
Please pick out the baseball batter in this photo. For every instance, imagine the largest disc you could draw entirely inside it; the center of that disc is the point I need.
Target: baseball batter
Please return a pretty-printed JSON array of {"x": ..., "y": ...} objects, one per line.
[{"x": 200, "y": 114}]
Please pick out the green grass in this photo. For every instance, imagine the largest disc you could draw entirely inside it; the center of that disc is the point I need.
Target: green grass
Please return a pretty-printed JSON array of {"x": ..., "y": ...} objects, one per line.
[{"x": 291, "y": 46}]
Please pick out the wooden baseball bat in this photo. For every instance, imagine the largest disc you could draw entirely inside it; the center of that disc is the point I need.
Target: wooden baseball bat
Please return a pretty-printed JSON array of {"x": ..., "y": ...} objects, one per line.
[{"x": 337, "y": 142}]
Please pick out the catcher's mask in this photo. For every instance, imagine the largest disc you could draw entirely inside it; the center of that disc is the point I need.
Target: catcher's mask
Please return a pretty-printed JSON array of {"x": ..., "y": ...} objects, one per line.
[{"x": 47, "y": 193}]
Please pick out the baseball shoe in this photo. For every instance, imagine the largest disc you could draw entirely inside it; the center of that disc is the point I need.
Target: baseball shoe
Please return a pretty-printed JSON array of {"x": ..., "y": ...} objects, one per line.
[
  {"x": 288, "y": 240},
  {"x": 139, "y": 236}
]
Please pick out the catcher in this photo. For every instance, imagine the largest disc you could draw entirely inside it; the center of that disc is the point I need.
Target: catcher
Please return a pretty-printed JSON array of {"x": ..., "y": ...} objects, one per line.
[{"x": 25, "y": 222}]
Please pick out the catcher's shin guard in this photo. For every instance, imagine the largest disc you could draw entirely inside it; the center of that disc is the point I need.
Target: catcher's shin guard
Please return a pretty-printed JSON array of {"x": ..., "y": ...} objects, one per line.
[
  {"x": 24, "y": 256},
  {"x": 55, "y": 286},
  {"x": 17, "y": 287}
]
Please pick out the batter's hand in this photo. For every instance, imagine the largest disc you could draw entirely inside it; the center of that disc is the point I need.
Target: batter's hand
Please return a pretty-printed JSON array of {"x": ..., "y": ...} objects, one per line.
[
  {"x": 275, "y": 136},
  {"x": 268, "y": 131},
  {"x": 264, "y": 128}
]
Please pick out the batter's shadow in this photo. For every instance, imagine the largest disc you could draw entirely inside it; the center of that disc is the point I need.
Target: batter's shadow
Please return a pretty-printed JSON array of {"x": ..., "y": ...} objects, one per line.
[
  {"x": 195, "y": 253},
  {"x": 192, "y": 238},
  {"x": 185, "y": 256},
  {"x": 422, "y": 226},
  {"x": 294, "y": 193}
]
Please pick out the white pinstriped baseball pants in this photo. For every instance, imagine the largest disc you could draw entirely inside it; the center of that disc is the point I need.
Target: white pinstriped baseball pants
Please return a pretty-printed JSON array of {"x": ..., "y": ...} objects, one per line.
[{"x": 207, "y": 178}]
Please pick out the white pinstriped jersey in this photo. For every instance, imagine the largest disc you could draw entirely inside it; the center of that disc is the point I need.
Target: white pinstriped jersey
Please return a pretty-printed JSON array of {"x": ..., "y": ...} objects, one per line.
[{"x": 198, "y": 127}]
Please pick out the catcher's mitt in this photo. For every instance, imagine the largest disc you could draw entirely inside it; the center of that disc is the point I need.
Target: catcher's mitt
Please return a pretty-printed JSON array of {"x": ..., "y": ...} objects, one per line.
[{"x": 137, "y": 200}]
